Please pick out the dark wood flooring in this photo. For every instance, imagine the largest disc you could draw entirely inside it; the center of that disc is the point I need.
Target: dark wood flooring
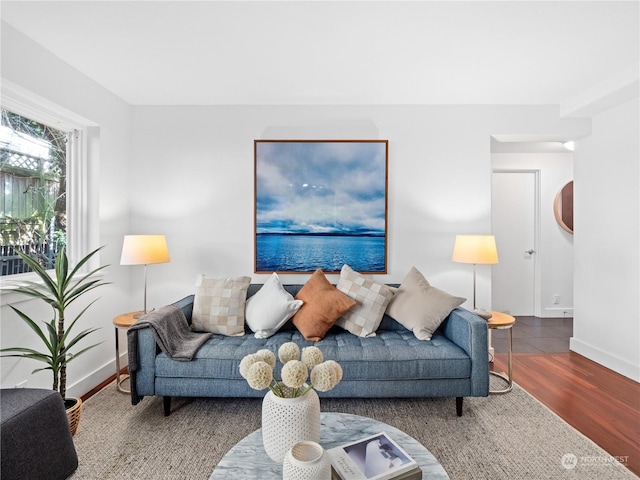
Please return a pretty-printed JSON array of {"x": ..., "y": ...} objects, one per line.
[
  {"x": 536, "y": 335},
  {"x": 600, "y": 403}
]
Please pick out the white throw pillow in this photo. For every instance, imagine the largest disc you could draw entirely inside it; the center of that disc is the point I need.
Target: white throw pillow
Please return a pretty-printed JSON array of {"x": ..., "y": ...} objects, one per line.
[
  {"x": 372, "y": 298},
  {"x": 218, "y": 306},
  {"x": 270, "y": 308},
  {"x": 421, "y": 307}
]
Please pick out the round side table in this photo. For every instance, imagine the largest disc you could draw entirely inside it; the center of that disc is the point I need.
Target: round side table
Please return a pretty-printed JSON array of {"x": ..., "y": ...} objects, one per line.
[
  {"x": 123, "y": 321},
  {"x": 502, "y": 321}
]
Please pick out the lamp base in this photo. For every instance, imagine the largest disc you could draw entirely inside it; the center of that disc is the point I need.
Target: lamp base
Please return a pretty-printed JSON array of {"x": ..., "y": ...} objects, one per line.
[
  {"x": 482, "y": 313},
  {"x": 141, "y": 313}
]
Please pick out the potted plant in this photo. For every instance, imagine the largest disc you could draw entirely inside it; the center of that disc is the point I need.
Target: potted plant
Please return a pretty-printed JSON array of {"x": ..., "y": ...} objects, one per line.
[
  {"x": 291, "y": 408},
  {"x": 59, "y": 291}
]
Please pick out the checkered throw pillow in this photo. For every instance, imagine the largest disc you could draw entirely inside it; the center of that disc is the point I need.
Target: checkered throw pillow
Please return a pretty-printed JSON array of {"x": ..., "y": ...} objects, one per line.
[
  {"x": 372, "y": 298},
  {"x": 219, "y": 304}
]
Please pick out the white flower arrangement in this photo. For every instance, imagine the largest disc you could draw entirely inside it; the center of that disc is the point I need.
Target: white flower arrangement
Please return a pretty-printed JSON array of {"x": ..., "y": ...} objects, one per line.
[{"x": 257, "y": 368}]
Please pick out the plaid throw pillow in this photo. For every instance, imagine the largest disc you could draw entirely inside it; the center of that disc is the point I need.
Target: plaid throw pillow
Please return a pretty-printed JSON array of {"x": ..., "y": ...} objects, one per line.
[
  {"x": 218, "y": 306},
  {"x": 372, "y": 298}
]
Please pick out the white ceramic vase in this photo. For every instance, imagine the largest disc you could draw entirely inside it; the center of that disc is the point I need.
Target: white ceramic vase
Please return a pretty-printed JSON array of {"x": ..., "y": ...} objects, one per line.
[
  {"x": 287, "y": 421},
  {"x": 306, "y": 461}
]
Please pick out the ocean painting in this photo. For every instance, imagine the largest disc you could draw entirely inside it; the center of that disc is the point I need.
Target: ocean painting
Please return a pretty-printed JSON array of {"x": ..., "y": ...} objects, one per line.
[{"x": 320, "y": 204}]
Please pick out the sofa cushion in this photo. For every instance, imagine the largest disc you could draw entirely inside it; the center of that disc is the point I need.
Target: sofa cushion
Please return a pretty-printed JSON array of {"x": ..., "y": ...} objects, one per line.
[
  {"x": 394, "y": 354},
  {"x": 363, "y": 318},
  {"x": 219, "y": 305},
  {"x": 323, "y": 305},
  {"x": 269, "y": 308},
  {"x": 419, "y": 306}
]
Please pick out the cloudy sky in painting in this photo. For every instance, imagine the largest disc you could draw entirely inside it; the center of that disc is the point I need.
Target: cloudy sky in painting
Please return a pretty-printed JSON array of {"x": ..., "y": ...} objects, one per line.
[{"x": 320, "y": 187}]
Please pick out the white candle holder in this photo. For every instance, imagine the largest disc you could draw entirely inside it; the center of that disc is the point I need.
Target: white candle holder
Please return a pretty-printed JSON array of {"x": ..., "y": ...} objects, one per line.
[{"x": 306, "y": 461}]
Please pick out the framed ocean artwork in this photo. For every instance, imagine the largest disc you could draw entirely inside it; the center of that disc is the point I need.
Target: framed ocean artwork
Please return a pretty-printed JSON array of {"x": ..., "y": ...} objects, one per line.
[{"x": 320, "y": 204}]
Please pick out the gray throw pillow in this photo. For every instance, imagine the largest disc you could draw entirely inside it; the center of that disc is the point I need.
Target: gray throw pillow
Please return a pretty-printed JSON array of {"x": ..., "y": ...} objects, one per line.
[{"x": 421, "y": 307}]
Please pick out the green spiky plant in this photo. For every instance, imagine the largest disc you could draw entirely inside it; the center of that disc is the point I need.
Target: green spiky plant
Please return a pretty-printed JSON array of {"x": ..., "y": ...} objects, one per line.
[{"x": 59, "y": 292}]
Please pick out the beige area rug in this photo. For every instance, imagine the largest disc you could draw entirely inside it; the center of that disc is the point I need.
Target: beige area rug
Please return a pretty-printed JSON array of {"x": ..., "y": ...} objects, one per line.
[{"x": 510, "y": 436}]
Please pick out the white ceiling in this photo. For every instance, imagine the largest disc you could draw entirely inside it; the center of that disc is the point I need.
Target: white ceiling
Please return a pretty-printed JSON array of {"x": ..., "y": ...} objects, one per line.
[{"x": 319, "y": 52}]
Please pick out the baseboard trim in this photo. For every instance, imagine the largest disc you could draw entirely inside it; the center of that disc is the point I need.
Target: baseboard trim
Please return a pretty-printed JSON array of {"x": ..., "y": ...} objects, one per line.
[
  {"x": 606, "y": 359},
  {"x": 95, "y": 378}
]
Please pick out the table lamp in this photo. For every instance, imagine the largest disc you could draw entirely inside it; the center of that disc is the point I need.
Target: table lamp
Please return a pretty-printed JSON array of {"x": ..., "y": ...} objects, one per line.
[
  {"x": 144, "y": 250},
  {"x": 475, "y": 249}
]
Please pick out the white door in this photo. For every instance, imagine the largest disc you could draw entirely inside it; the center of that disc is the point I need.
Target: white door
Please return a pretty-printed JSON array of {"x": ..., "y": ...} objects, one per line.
[{"x": 513, "y": 218}]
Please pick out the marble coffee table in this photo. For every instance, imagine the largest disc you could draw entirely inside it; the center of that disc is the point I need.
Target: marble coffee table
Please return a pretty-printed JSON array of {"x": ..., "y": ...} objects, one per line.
[{"x": 247, "y": 460}]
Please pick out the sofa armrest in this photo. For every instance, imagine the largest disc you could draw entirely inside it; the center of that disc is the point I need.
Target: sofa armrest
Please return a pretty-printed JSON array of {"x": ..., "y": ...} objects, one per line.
[
  {"x": 145, "y": 375},
  {"x": 469, "y": 332},
  {"x": 186, "y": 305},
  {"x": 147, "y": 350}
]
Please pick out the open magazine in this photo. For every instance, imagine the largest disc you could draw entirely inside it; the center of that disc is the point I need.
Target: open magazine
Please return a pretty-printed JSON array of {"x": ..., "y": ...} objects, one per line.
[{"x": 376, "y": 457}]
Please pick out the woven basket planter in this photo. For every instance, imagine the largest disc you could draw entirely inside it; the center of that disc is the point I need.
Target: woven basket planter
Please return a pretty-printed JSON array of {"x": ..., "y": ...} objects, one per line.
[{"x": 73, "y": 413}]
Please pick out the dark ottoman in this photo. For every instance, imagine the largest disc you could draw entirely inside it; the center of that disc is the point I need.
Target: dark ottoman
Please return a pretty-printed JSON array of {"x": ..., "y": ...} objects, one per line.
[{"x": 36, "y": 440}]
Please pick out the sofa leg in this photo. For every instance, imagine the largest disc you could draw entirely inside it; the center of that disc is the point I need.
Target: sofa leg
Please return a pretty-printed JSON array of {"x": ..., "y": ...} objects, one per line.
[
  {"x": 167, "y": 406},
  {"x": 459, "y": 405}
]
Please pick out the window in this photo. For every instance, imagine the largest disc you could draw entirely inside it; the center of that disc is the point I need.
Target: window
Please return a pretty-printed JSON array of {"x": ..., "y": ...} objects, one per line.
[{"x": 33, "y": 208}]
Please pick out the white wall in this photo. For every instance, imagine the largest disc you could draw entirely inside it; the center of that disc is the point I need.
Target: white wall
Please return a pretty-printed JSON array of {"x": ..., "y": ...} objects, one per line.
[
  {"x": 555, "y": 251},
  {"x": 193, "y": 173},
  {"x": 607, "y": 241},
  {"x": 187, "y": 172},
  {"x": 35, "y": 70}
]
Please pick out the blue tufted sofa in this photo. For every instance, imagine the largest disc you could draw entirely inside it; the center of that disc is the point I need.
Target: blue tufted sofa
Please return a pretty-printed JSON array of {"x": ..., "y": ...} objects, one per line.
[{"x": 394, "y": 363}]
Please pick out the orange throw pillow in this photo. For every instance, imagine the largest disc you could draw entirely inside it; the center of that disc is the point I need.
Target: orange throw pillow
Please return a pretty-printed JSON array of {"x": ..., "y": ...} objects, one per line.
[{"x": 323, "y": 305}]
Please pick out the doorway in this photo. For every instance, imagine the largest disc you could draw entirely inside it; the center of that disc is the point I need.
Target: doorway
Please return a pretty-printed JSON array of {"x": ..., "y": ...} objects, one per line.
[{"x": 515, "y": 224}]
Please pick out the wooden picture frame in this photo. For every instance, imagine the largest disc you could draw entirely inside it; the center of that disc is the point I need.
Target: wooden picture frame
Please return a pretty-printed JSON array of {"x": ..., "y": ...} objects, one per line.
[{"x": 320, "y": 204}]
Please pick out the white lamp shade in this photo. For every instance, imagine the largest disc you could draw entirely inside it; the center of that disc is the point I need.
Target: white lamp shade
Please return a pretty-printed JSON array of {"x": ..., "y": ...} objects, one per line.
[
  {"x": 480, "y": 249},
  {"x": 144, "y": 250}
]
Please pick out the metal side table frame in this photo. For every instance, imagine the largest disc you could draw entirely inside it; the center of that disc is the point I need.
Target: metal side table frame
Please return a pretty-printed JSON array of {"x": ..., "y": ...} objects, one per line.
[
  {"x": 502, "y": 321},
  {"x": 123, "y": 322}
]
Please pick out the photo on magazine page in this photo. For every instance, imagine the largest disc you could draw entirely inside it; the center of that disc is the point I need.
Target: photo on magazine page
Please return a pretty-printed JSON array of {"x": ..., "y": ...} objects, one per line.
[{"x": 372, "y": 458}]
